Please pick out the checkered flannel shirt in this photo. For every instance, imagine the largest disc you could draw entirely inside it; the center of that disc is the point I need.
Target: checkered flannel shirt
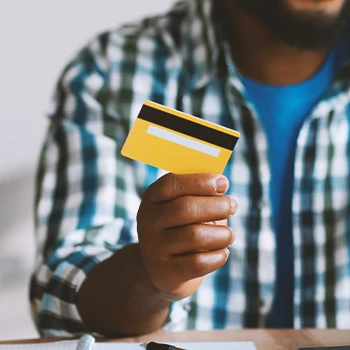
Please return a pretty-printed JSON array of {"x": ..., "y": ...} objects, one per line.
[{"x": 88, "y": 194}]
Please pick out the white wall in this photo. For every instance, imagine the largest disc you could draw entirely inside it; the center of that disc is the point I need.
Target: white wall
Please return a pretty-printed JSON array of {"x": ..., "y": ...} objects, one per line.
[{"x": 37, "y": 38}]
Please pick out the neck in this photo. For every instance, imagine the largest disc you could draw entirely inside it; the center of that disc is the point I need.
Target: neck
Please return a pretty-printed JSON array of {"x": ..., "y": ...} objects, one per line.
[{"x": 263, "y": 58}]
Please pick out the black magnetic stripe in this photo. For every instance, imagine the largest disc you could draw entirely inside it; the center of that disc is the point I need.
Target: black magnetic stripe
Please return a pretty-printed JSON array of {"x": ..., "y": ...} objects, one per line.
[{"x": 187, "y": 127}]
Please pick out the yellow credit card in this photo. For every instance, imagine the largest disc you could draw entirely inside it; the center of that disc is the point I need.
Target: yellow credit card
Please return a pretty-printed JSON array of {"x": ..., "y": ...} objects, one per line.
[{"x": 178, "y": 142}]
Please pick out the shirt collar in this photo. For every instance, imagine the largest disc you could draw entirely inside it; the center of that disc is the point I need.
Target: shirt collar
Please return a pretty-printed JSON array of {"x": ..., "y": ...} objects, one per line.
[{"x": 206, "y": 50}]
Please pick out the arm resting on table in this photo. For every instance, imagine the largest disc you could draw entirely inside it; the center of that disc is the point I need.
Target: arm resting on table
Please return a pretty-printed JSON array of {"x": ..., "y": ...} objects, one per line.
[{"x": 118, "y": 298}]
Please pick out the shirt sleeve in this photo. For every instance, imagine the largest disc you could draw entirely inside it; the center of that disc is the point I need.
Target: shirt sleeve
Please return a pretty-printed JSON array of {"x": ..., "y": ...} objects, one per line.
[{"x": 86, "y": 199}]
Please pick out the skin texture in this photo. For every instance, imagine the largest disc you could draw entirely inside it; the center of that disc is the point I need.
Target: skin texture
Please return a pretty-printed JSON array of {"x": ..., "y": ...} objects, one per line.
[{"x": 182, "y": 218}]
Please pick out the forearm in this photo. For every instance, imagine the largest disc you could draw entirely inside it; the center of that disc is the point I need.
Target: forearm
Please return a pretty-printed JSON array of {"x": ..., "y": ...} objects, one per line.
[{"x": 117, "y": 297}]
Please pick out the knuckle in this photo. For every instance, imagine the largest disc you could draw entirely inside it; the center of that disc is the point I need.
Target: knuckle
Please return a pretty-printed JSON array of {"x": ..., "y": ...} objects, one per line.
[
  {"x": 164, "y": 191},
  {"x": 226, "y": 205},
  {"x": 155, "y": 258},
  {"x": 178, "y": 268},
  {"x": 192, "y": 210},
  {"x": 162, "y": 188},
  {"x": 147, "y": 194},
  {"x": 182, "y": 209},
  {"x": 201, "y": 182},
  {"x": 199, "y": 265},
  {"x": 196, "y": 235},
  {"x": 168, "y": 240},
  {"x": 168, "y": 186},
  {"x": 171, "y": 184}
]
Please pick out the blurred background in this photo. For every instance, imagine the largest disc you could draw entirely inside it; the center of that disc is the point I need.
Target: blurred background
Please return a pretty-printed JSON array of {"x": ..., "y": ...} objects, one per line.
[{"x": 37, "y": 39}]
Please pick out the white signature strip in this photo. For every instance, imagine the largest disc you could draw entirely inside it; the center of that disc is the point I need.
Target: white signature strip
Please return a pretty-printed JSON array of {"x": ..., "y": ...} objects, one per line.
[{"x": 183, "y": 141}]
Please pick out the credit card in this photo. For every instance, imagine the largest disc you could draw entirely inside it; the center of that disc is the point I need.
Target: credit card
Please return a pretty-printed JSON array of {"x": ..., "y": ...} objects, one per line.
[{"x": 178, "y": 142}]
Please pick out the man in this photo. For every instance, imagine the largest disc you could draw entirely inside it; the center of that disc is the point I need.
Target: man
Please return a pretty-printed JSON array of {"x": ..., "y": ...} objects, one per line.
[{"x": 122, "y": 253}]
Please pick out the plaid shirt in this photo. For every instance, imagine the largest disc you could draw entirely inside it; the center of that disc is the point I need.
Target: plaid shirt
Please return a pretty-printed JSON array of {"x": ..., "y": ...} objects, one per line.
[{"x": 88, "y": 194}]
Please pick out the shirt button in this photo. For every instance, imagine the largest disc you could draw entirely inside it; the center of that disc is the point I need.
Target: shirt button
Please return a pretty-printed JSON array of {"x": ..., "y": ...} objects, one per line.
[
  {"x": 187, "y": 307},
  {"x": 263, "y": 204},
  {"x": 260, "y": 303},
  {"x": 221, "y": 74}
]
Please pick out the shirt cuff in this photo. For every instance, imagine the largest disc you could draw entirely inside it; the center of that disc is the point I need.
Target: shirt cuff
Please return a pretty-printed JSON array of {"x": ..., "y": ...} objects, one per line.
[{"x": 178, "y": 315}]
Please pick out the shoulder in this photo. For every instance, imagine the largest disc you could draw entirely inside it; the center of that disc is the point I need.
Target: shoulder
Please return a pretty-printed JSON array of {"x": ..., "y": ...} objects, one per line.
[
  {"x": 104, "y": 69},
  {"x": 162, "y": 32}
]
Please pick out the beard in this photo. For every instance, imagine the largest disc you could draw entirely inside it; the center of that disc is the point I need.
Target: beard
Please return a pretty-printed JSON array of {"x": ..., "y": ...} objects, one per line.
[{"x": 304, "y": 29}]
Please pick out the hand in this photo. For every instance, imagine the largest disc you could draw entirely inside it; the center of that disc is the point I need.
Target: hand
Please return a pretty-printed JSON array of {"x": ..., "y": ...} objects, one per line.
[{"x": 182, "y": 231}]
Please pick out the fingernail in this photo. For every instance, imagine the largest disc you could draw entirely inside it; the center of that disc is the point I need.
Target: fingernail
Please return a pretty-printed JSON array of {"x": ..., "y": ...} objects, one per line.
[
  {"x": 234, "y": 205},
  {"x": 227, "y": 251},
  {"x": 221, "y": 185},
  {"x": 233, "y": 238}
]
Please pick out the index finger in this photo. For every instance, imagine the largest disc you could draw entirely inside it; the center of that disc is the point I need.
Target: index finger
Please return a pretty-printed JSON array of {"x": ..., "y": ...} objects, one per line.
[{"x": 171, "y": 186}]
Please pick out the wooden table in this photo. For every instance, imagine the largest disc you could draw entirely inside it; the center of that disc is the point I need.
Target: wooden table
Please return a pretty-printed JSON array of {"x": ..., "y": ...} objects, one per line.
[{"x": 263, "y": 339}]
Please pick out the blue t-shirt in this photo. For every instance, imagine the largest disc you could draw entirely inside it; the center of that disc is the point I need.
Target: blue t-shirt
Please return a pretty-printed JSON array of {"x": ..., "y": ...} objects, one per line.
[{"x": 282, "y": 110}]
